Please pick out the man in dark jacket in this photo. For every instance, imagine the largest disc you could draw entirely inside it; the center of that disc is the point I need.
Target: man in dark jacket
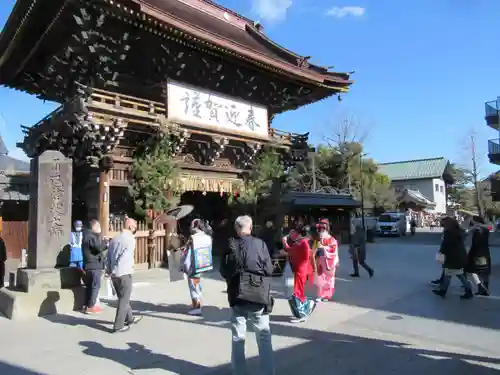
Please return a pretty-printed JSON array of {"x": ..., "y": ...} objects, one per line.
[
  {"x": 3, "y": 259},
  {"x": 94, "y": 247},
  {"x": 250, "y": 255}
]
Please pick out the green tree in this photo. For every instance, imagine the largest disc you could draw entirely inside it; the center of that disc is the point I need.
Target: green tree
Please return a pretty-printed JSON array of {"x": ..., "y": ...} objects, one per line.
[
  {"x": 491, "y": 208},
  {"x": 263, "y": 189},
  {"x": 460, "y": 190},
  {"x": 153, "y": 175},
  {"x": 380, "y": 192}
]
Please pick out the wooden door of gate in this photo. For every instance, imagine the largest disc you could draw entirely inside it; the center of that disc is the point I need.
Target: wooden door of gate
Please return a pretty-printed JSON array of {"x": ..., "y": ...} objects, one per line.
[{"x": 15, "y": 236}]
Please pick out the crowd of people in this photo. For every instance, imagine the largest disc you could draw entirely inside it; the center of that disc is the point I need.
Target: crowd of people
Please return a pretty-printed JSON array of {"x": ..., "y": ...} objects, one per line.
[
  {"x": 247, "y": 266},
  {"x": 474, "y": 264}
]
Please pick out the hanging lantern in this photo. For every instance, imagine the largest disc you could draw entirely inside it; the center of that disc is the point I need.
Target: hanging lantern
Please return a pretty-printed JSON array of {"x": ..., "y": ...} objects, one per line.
[{"x": 150, "y": 213}]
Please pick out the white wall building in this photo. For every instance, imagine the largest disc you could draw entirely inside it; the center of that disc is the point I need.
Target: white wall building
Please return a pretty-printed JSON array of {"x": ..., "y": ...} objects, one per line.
[{"x": 422, "y": 182}]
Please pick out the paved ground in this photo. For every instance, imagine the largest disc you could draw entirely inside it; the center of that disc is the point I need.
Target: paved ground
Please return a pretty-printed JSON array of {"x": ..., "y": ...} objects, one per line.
[{"x": 391, "y": 324}]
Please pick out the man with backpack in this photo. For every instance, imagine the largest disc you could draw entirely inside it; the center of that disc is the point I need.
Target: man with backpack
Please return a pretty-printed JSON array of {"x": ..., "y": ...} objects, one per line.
[{"x": 247, "y": 267}]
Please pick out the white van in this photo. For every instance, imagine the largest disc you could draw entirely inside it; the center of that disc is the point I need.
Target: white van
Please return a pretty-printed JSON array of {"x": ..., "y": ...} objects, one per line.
[{"x": 392, "y": 224}]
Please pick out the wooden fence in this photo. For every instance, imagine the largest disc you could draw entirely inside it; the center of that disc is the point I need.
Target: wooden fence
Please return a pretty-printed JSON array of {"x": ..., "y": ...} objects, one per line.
[
  {"x": 150, "y": 252},
  {"x": 151, "y": 245}
]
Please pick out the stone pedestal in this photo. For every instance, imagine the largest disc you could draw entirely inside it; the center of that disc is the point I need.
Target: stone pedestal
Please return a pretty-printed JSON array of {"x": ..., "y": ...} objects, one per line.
[{"x": 42, "y": 288}]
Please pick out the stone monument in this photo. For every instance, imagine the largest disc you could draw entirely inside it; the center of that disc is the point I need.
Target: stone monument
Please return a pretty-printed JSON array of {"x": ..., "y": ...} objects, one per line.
[
  {"x": 50, "y": 209},
  {"x": 47, "y": 285}
]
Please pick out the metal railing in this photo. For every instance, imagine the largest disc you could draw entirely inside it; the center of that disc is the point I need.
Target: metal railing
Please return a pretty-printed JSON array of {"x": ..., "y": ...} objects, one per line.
[
  {"x": 492, "y": 108},
  {"x": 494, "y": 146}
]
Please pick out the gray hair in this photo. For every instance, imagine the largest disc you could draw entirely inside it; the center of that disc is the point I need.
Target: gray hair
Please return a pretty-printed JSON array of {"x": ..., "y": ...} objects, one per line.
[{"x": 243, "y": 224}]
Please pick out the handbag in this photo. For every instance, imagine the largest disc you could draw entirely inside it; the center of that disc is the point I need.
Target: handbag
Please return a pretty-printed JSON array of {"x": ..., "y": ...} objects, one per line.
[
  {"x": 252, "y": 287},
  {"x": 354, "y": 252},
  {"x": 288, "y": 280},
  {"x": 481, "y": 261},
  {"x": 440, "y": 258}
]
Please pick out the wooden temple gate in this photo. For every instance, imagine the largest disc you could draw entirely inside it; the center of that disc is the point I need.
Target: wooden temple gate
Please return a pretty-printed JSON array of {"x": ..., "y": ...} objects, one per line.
[{"x": 128, "y": 70}]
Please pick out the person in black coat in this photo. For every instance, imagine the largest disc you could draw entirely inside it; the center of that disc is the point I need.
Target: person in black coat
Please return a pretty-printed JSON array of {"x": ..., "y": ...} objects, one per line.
[
  {"x": 455, "y": 257},
  {"x": 479, "y": 257},
  {"x": 268, "y": 235},
  {"x": 94, "y": 247}
]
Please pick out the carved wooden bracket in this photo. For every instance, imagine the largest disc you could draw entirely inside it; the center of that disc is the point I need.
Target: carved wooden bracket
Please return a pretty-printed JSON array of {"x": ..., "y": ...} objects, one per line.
[
  {"x": 182, "y": 139},
  {"x": 247, "y": 154},
  {"x": 303, "y": 62},
  {"x": 216, "y": 148}
]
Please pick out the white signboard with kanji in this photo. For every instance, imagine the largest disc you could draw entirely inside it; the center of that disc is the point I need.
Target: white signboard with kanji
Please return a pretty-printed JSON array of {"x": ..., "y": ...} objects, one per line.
[{"x": 191, "y": 106}]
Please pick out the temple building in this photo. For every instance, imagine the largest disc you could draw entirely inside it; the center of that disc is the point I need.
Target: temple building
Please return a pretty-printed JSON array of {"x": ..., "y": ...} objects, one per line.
[
  {"x": 125, "y": 71},
  {"x": 420, "y": 185}
]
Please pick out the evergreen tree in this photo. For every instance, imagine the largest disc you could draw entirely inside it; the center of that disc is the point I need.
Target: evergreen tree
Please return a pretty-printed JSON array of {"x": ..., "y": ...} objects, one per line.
[{"x": 153, "y": 175}]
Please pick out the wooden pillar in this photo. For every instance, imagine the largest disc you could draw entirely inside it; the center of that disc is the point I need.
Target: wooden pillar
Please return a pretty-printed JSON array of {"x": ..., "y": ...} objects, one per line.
[{"x": 104, "y": 201}]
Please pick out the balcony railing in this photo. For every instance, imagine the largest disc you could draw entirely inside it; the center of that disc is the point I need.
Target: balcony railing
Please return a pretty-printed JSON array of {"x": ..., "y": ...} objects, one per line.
[
  {"x": 494, "y": 151},
  {"x": 491, "y": 113},
  {"x": 494, "y": 146}
]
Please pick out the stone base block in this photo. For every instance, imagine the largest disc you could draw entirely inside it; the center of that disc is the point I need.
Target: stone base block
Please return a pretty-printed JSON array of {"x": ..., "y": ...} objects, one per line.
[
  {"x": 44, "y": 279},
  {"x": 20, "y": 305}
]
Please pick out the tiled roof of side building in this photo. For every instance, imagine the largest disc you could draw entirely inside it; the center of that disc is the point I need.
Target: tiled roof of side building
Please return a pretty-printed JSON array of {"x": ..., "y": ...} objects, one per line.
[{"x": 414, "y": 169}]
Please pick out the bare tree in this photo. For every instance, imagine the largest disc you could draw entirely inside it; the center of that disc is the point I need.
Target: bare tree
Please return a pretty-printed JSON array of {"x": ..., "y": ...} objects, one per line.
[
  {"x": 473, "y": 164},
  {"x": 347, "y": 130},
  {"x": 347, "y": 138}
]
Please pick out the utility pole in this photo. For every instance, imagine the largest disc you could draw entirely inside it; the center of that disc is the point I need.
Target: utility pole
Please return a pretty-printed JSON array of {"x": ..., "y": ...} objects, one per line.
[
  {"x": 362, "y": 188},
  {"x": 475, "y": 174},
  {"x": 312, "y": 155}
]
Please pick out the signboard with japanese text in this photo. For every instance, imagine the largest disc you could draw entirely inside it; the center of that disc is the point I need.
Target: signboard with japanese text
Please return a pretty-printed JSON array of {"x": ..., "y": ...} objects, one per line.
[{"x": 201, "y": 108}]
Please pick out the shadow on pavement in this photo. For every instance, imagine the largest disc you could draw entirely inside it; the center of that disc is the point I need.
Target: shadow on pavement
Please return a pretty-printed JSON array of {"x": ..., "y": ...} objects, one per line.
[
  {"x": 422, "y": 303},
  {"x": 210, "y": 313},
  {"x": 343, "y": 354},
  {"x": 84, "y": 320},
  {"x": 8, "y": 369}
]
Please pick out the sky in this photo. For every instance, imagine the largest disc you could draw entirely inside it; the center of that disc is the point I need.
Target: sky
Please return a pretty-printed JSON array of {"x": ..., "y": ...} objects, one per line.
[{"x": 423, "y": 71}]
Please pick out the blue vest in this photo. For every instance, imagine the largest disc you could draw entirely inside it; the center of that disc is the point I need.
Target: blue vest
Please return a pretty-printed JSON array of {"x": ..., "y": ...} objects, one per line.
[{"x": 76, "y": 254}]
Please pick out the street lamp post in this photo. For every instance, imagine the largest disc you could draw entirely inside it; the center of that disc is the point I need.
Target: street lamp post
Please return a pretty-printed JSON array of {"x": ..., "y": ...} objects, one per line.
[{"x": 362, "y": 187}]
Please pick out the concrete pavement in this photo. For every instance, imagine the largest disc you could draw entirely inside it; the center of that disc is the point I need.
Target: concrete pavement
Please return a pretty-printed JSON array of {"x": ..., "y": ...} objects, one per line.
[{"x": 389, "y": 324}]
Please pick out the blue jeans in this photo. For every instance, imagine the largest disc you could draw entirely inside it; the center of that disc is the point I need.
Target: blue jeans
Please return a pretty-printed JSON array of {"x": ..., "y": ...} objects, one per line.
[
  {"x": 260, "y": 324},
  {"x": 445, "y": 283}
]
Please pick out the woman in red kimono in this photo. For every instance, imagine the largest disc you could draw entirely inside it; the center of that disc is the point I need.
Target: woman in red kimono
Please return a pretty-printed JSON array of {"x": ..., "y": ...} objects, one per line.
[
  {"x": 299, "y": 255},
  {"x": 326, "y": 260}
]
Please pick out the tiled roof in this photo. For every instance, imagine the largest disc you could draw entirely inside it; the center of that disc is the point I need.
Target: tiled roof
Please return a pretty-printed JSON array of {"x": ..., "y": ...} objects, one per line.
[
  {"x": 10, "y": 164},
  {"x": 414, "y": 169},
  {"x": 14, "y": 188},
  {"x": 419, "y": 197}
]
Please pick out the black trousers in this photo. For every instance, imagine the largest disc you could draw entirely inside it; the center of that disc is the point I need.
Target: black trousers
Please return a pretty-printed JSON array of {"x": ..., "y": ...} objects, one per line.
[
  {"x": 93, "y": 286},
  {"x": 356, "y": 263},
  {"x": 123, "y": 289},
  {"x": 2, "y": 274}
]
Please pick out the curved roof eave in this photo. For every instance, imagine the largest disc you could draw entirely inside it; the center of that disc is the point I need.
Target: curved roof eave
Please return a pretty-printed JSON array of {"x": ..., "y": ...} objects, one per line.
[{"x": 205, "y": 35}]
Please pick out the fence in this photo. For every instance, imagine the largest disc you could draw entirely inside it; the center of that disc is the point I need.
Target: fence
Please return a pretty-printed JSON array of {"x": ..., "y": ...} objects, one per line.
[
  {"x": 15, "y": 236},
  {"x": 151, "y": 245}
]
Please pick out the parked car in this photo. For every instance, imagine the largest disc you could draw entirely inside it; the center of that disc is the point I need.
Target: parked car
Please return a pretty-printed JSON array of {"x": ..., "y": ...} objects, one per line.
[{"x": 392, "y": 224}]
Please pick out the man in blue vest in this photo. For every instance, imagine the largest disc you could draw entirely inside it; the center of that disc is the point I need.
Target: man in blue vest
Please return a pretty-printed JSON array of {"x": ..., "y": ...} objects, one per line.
[{"x": 76, "y": 254}]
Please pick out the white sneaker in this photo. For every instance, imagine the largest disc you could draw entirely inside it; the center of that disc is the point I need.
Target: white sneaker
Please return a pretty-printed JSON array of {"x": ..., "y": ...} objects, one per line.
[
  {"x": 195, "y": 312},
  {"x": 298, "y": 320}
]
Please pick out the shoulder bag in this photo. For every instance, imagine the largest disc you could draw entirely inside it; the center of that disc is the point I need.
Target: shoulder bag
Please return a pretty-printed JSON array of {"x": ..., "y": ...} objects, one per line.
[{"x": 252, "y": 287}]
